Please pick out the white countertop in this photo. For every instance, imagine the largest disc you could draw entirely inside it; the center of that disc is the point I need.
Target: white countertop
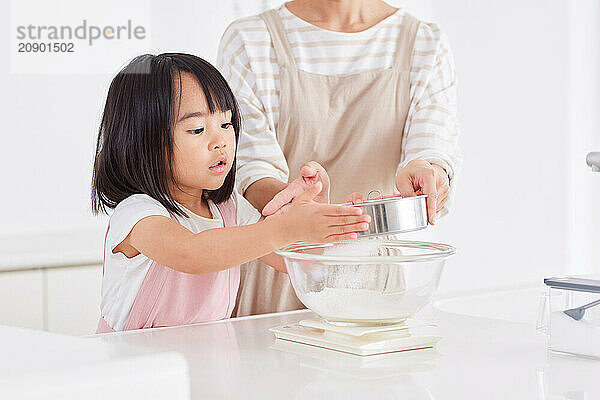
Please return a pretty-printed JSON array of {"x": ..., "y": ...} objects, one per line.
[{"x": 497, "y": 357}]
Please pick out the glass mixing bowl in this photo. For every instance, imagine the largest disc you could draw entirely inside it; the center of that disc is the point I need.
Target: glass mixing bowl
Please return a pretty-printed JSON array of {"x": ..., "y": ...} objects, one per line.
[{"x": 366, "y": 281}]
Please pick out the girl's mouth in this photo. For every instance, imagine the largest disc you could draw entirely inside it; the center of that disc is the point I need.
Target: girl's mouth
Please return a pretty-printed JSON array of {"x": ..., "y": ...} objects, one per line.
[{"x": 219, "y": 166}]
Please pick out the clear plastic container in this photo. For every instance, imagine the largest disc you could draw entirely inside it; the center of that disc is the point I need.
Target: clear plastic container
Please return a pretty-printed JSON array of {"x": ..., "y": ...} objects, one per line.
[{"x": 566, "y": 333}]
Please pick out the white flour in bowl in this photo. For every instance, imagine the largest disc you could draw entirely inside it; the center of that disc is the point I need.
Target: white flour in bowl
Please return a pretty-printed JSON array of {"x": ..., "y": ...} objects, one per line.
[
  {"x": 371, "y": 291},
  {"x": 356, "y": 304},
  {"x": 358, "y": 247},
  {"x": 374, "y": 278}
]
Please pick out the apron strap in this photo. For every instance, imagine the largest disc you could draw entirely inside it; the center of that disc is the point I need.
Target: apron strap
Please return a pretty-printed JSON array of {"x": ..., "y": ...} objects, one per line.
[
  {"x": 228, "y": 212},
  {"x": 144, "y": 304},
  {"x": 406, "y": 42},
  {"x": 104, "y": 248},
  {"x": 283, "y": 51}
]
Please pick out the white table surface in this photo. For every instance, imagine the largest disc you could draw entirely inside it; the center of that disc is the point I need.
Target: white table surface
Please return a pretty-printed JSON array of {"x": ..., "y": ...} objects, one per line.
[{"x": 478, "y": 358}]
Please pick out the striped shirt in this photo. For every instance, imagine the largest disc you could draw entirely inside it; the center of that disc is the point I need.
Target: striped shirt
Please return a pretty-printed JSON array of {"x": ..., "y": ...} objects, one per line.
[{"x": 247, "y": 60}]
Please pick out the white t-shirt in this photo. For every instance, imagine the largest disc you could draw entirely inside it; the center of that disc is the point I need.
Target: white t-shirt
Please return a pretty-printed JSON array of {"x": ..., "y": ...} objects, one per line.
[{"x": 123, "y": 276}]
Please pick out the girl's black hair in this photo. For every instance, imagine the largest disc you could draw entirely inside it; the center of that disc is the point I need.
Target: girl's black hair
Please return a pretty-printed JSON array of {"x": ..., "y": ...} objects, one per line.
[{"x": 134, "y": 150}]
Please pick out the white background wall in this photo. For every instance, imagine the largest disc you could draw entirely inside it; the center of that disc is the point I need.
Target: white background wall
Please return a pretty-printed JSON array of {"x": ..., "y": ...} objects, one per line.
[
  {"x": 528, "y": 105},
  {"x": 529, "y": 95}
]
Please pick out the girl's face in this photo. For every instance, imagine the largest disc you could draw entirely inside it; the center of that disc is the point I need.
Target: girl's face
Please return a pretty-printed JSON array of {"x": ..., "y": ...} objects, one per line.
[{"x": 203, "y": 143}]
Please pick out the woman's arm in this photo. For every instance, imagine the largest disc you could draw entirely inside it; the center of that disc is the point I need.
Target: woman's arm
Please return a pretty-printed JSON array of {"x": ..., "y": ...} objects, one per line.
[
  {"x": 270, "y": 195},
  {"x": 310, "y": 173},
  {"x": 262, "y": 170},
  {"x": 274, "y": 261},
  {"x": 430, "y": 153},
  {"x": 262, "y": 191},
  {"x": 168, "y": 243}
]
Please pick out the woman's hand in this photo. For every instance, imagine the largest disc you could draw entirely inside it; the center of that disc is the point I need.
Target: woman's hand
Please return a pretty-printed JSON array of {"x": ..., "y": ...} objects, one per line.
[
  {"x": 421, "y": 177},
  {"x": 310, "y": 173},
  {"x": 309, "y": 221},
  {"x": 354, "y": 198}
]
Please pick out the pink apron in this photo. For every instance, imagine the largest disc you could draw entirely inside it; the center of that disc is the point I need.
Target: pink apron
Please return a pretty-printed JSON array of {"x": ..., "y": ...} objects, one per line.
[{"x": 168, "y": 297}]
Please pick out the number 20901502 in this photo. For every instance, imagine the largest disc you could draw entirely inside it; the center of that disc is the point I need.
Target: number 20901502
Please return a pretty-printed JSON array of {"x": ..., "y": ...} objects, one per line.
[{"x": 46, "y": 47}]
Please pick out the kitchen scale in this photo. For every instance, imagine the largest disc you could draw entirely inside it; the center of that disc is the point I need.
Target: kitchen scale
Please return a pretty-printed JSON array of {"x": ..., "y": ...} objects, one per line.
[
  {"x": 360, "y": 340},
  {"x": 373, "y": 368}
]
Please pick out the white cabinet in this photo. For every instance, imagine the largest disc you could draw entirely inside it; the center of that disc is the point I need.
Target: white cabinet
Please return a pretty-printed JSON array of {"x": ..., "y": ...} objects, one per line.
[
  {"x": 62, "y": 300},
  {"x": 52, "y": 281},
  {"x": 73, "y": 299},
  {"x": 22, "y": 299}
]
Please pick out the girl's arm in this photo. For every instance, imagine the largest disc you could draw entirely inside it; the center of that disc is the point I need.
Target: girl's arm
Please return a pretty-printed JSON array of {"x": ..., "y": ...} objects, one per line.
[
  {"x": 168, "y": 243},
  {"x": 272, "y": 259}
]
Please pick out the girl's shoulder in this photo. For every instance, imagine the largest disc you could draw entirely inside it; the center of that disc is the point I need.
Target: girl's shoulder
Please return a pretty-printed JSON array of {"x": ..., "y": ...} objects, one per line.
[
  {"x": 128, "y": 213},
  {"x": 139, "y": 202}
]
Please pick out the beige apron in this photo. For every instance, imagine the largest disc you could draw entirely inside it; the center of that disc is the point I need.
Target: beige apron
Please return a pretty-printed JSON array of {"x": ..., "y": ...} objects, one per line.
[{"x": 351, "y": 124}]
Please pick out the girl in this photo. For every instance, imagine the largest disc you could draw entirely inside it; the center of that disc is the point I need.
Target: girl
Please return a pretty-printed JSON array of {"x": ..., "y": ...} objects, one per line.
[{"x": 165, "y": 161}]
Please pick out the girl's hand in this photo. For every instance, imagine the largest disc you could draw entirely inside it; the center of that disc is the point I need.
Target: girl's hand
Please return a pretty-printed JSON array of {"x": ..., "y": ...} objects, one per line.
[
  {"x": 421, "y": 177},
  {"x": 309, "y": 221},
  {"x": 310, "y": 173}
]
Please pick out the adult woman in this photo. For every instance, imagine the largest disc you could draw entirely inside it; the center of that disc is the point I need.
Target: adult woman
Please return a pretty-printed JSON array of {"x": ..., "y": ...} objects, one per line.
[{"x": 363, "y": 88}]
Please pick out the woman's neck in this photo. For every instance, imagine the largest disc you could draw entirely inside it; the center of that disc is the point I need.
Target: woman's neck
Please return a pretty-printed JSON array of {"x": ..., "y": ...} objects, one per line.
[
  {"x": 341, "y": 15},
  {"x": 191, "y": 199}
]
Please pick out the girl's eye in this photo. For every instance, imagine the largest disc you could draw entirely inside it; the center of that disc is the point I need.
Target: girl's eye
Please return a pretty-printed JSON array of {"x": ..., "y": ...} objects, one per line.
[
  {"x": 197, "y": 131},
  {"x": 226, "y": 125}
]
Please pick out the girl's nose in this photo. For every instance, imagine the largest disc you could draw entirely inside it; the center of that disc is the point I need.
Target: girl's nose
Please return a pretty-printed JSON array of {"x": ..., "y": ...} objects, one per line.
[{"x": 217, "y": 142}]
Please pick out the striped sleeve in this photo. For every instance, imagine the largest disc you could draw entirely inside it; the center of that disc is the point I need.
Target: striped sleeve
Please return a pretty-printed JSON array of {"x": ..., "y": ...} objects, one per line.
[
  {"x": 258, "y": 152},
  {"x": 432, "y": 129}
]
